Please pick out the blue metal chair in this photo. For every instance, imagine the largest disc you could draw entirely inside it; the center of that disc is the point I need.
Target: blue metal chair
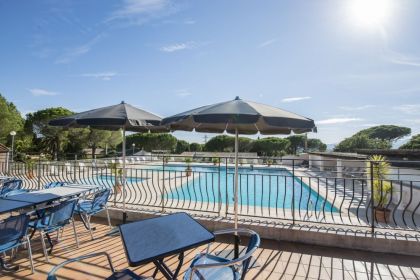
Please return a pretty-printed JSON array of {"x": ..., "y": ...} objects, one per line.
[
  {"x": 87, "y": 208},
  {"x": 14, "y": 192},
  {"x": 55, "y": 219},
  {"x": 54, "y": 184},
  {"x": 10, "y": 185},
  {"x": 13, "y": 234},
  {"x": 211, "y": 267},
  {"x": 116, "y": 275}
]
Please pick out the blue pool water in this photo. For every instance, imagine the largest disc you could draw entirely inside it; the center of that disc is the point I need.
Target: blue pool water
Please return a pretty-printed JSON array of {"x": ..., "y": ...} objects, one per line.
[{"x": 257, "y": 188}]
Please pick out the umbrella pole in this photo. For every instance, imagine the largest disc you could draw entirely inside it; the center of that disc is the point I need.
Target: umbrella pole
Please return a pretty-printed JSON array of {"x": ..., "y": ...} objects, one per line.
[
  {"x": 236, "y": 253},
  {"x": 124, "y": 177}
]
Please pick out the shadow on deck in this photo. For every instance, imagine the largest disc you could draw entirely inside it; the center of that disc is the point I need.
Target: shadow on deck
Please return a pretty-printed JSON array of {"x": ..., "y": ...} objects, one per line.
[{"x": 274, "y": 260}]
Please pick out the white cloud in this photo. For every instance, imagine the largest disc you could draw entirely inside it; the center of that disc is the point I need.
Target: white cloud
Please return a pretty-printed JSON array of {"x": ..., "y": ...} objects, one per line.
[
  {"x": 267, "y": 43},
  {"x": 338, "y": 120},
  {"x": 189, "y": 21},
  {"x": 411, "y": 109},
  {"x": 141, "y": 11},
  {"x": 42, "y": 92},
  {"x": 356, "y": 108},
  {"x": 106, "y": 76},
  {"x": 178, "y": 47},
  {"x": 183, "y": 93},
  {"x": 71, "y": 54},
  {"x": 294, "y": 99}
]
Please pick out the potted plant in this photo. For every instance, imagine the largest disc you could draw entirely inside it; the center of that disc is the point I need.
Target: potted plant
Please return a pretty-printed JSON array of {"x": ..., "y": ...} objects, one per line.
[
  {"x": 188, "y": 169},
  {"x": 269, "y": 162},
  {"x": 216, "y": 161},
  {"x": 381, "y": 188},
  {"x": 117, "y": 173}
]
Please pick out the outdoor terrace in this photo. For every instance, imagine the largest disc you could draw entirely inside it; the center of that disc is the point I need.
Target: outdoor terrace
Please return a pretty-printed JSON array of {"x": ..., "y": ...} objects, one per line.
[{"x": 274, "y": 260}]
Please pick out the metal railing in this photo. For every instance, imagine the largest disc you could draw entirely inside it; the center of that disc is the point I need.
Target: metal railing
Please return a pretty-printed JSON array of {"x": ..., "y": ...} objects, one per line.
[{"x": 292, "y": 190}]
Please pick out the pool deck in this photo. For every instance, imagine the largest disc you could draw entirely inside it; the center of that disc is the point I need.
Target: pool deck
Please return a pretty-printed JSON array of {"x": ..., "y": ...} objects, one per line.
[{"x": 274, "y": 260}]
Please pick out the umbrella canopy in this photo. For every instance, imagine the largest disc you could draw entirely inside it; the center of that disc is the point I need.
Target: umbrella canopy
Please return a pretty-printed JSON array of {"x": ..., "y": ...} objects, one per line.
[
  {"x": 246, "y": 117},
  {"x": 113, "y": 117},
  {"x": 239, "y": 116},
  {"x": 121, "y": 116}
]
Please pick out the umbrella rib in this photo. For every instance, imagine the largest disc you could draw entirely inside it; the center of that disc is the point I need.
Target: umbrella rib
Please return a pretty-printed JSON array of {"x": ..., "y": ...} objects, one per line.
[{"x": 256, "y": 127}]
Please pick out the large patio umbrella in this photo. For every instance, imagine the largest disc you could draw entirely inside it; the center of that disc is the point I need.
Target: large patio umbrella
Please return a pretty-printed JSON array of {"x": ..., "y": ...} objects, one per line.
[
  {"x": 121, "y": 116},
  {"x": 239, "y": 117}
]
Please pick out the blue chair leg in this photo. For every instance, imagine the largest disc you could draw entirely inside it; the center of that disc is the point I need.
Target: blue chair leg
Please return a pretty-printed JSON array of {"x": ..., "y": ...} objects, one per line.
[
  {"x": 28, "y": 243},
  {"x": 75, "y": 233},
  {"x": 107, "y": 215},
  {"x": 44, "y": 247}
]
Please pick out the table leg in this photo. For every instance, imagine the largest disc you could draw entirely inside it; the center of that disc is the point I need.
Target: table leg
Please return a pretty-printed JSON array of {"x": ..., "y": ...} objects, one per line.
[
  {"x": 164, "y": 269},
  {"x": 155, "y": 272},
  {"x": 180, "y": 262},
  {"x": 50, "y": 242}
]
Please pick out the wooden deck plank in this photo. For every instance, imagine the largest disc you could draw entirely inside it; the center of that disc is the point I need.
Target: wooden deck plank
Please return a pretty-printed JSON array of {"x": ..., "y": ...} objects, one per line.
[{"x": 275, "y": 260}]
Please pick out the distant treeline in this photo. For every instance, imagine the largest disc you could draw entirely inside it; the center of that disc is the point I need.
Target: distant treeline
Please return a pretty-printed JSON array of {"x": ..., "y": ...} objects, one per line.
[{"x": 269, "y": 146}]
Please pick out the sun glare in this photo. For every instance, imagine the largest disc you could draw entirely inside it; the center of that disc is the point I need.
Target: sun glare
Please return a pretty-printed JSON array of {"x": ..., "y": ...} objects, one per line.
[{"x": 369, "y": 13}]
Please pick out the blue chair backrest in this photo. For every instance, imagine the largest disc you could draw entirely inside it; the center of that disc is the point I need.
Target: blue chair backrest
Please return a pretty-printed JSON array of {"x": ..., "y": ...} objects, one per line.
[
  {"x": 14, "y": 192},
  {"x": 100, "y": 199},
  {"x": 60, "y": 215},
  {"x": 54, "y": 184},
  {"x": 13, "y": 229},
  {"x": 15, "y": 184},
  {"x": 253, "y": 241}
]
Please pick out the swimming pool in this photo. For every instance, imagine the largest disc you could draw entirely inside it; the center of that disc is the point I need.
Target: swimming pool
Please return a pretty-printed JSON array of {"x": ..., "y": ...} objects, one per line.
[{"x": 257, "y": 188}]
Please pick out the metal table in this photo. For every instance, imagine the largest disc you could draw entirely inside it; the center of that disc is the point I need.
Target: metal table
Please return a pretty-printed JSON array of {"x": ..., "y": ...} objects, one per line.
[
  {"x": 154, "y": 239},
  {"x": 7, "y": 206},
  {"x": 36, "y": 198},
  {"x": 47, "y": 195}
]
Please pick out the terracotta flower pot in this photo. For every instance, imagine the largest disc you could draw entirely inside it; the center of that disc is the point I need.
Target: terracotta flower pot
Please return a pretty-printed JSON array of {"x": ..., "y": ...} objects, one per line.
[
  {"x": 382, "y": 215},
  {"x": 188, "y": 172}
]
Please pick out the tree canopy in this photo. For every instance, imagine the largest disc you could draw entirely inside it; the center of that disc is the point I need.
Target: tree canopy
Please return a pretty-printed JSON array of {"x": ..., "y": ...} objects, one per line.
[
  {"x": 412, "y": 144},
  {"x": 362, "y": 141},
  {"x": 196, "y": 147},
  {"x": 47, "y": 139},
  {"x": 271, "y": 146},
  {"x": 385, "y": 132},
  {"x": 153, "y": 141},
  {"x": 316, "y": 145},
  {"x": 182, "y": 146},
  {"x": 10, "y": 118},
  {"x": 377, "y": 137},
  {"x": 226, "y": 143},
  {"x": 297, "y": 142}
]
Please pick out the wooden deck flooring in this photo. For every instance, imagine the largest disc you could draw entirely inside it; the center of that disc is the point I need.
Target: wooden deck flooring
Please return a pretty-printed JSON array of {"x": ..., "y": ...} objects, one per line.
[{"x": 274, "y": 260}]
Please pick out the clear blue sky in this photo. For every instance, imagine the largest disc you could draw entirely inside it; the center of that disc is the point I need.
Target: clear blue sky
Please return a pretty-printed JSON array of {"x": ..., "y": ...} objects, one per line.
[{"x": 348, "y": 67}]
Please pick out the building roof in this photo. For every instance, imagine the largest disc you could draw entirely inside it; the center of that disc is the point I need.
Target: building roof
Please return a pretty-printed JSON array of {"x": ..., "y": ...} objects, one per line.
[
  {"x": 3, "y": 149},
  {"x": 392, "y": 153}
]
